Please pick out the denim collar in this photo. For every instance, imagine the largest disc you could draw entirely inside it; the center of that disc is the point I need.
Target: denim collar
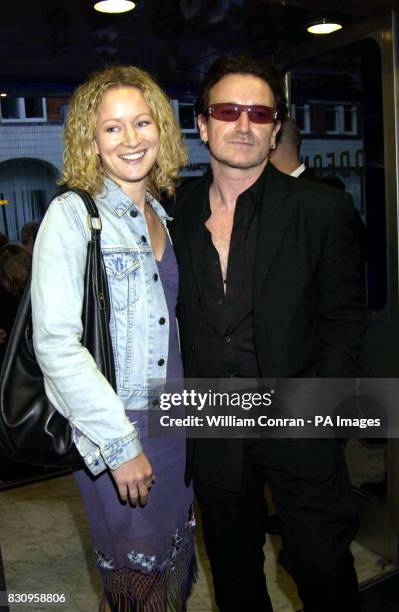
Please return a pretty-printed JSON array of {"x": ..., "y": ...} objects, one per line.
[{"x": 121, "y": 203}]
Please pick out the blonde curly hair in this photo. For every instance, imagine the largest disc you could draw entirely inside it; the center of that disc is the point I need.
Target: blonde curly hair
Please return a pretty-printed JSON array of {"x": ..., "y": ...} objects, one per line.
[{"x": 82, "y": 167}]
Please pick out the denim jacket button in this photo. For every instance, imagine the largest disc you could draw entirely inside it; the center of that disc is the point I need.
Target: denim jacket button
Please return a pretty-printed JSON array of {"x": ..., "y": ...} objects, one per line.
[
  {"x": 143, "y": 239},
  {"x": 155, "y": 276},
  {"x": 133, "y": 213},
  {"x": 161, "y": 362},
  {"x": 162, "y": 321}
]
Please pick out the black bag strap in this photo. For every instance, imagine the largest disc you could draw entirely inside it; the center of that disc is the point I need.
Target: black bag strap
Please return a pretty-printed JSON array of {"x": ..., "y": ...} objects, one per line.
[
  {"x": 96, "y": 334},
  {"x": 99, "y": 342},
  {"x": 95, "y": 230},
  {"x": 90, "y": 204}
]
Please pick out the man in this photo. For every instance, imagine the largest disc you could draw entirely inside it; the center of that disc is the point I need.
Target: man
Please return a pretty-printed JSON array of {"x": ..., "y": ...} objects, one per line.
[
  {"x": 270, "y": 286},
  {"x": 285, "y": 157}
]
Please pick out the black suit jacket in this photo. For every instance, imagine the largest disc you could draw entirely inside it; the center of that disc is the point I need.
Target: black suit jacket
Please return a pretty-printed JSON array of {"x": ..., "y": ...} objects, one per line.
[{"x": 308, "y": 292}]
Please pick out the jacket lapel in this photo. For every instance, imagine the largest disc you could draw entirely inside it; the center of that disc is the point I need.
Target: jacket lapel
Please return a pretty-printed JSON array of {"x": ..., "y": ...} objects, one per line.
[
  {"x": 275, "y": 214},
  {"x": 194, "y": 234}
]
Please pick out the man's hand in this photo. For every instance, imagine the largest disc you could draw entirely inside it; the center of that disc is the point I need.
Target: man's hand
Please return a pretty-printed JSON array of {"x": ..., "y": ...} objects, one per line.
[
  {"x": 3, "y": 336},
  {"x": 134, "y": 479}
]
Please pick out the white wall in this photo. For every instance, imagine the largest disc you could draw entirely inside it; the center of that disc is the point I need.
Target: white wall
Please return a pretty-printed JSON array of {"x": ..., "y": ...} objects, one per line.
[{"x": 43, "y": 142}]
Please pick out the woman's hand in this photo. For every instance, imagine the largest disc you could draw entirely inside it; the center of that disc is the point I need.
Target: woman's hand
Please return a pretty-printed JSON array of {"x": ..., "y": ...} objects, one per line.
[{"x": 134, "y": 479}]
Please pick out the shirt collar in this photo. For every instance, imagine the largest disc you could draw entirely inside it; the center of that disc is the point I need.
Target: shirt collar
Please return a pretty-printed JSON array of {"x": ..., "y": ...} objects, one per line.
[
  {"x": 256, "y": 188},
  {"x": 298, "y": 171},
  {"x": 121, "y": 203},
  {"x": 254, "y": 191}
]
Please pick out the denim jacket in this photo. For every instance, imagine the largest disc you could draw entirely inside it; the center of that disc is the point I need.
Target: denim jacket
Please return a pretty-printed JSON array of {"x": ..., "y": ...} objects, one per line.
[{"x": 139, "y": 322}]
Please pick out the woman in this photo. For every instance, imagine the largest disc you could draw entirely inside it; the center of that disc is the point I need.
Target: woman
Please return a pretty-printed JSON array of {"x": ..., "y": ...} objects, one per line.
[
  {"x": 15, "y": 265},
  {"x": 122, "y": 145}
]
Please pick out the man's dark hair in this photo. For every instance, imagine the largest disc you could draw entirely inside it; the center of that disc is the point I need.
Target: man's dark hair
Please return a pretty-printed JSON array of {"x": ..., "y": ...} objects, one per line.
[
  {"x": 290, "y": 133},
  {"x": 3, "y": 240},
  {"x": 241, "y": 64},
  {"x": 15, "y": 264},
  {"x": 28, "y": 231}
]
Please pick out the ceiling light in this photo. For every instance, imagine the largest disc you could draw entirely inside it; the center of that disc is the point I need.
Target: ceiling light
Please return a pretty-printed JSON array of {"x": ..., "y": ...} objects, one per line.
[
  {"x": 3, "y": 94},
  {"x": 114, "y": 6},
  {"x": 324, "y": 27}
]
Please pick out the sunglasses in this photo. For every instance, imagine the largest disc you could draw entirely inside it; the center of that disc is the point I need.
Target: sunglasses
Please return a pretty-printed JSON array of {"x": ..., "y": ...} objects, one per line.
[{"x": 225, "y": 111}]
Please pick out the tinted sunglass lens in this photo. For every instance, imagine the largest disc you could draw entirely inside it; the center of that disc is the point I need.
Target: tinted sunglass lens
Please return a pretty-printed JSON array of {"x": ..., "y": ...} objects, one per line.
[
  {"x": 261, "y": 114},
  {"x": 224, "y": 112}
]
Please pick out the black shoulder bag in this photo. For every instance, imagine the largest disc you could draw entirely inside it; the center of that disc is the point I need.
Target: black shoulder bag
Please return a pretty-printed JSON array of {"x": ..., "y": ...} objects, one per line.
[{"x": 31, "y": 429}]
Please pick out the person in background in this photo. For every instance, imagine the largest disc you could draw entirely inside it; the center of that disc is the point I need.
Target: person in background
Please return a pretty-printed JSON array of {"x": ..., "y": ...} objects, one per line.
[
  {"x": 28, "y": 235},
  {"x": 122, "y": 145},
  {"x": 286, "y": 158},
  {"x": 334, "y": 181},
  {"x": 286, "y": 155},
  {"x": 3, "y": 240},
  {"x": 15, "y": 265}
]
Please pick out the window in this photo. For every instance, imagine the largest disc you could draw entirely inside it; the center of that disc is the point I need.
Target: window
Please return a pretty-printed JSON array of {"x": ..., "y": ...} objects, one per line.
[
  {"x": 9, "y": 108},
  {"x": 64, "y": 111},
  {"x": 341, "y": 119},
  {"x": 186, "y": 117},
  {"x": 301, "y": 114},
  {"x": 33, "y": 108},
  {"x": 332, "y": 120},
  {"x": 184, "y": 113},
  {"x": 350, "y": 119},
  {"x": 22, "y": 109}
]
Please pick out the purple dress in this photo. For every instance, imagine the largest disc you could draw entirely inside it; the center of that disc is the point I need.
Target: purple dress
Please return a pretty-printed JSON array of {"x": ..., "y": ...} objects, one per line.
[{"x": 146, "y": 554}]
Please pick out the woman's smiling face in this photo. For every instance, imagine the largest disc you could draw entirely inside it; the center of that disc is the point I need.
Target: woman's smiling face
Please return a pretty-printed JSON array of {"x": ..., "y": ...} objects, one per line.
[{"x": 127, "y": 138}]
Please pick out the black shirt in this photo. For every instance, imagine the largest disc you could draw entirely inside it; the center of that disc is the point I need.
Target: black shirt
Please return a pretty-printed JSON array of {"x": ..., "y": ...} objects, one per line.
[{"x": 226, "y": 340}]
